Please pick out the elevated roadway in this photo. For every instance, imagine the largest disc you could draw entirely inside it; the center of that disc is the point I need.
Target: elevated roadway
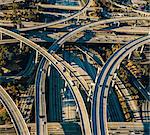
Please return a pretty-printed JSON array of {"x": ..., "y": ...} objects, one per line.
[
  {"x": 71, "y": 81},
  {"x": 131, "y": 9},
  {"x": 76, "y": 76},
  {"x": 86, "y": 6},
  {"x": 56, "y": 45},
  {"x": 51, "y": 6},
  {"x": 78, "y": 98},
  {"x": 16, "y": 116},
  {"x": 99, "y": 108},
  {"x": 138, "y": 85},
  {"x": 75, "y": 73},
  {"x": 121, "y": 128}
]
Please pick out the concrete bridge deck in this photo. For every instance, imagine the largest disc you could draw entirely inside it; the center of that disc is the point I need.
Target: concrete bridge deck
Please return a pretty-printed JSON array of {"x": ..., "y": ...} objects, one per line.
[{"x": 120, "y": 128}]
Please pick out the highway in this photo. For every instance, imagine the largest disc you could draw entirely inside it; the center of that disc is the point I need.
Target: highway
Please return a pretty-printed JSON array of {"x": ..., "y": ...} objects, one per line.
[
  {"x": 59, "y": 6},
  {"x": 75, "y": 73},
  {"x": 99, "y": 107},
  {"x": 58, "y": 43},
  {"x": 128, "y": 99},
  {"x": 138, "y": 85},
  {"x": 98, "y": 38},
  {"x": 61, "y": 66},
  {"x": 65, "y": 68},
  {"x": 134, "y": 10},
  {"x": 100, "y": 61},
  {"x": 117, "y": 128},
  {"x": 78, "y": 98},
  {"x": 40, "y": 105},
  {"x": 86, "y": 6},
  {"x": 41, "y": 88},
  {"x": 14, "y": 113},
  {"x": 3, "y": 2}
]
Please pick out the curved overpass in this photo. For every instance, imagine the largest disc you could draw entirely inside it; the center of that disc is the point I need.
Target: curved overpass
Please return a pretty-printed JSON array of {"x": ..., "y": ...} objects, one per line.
[
  {"x": 87, "y": 5},
  {"x": 40, "y": 89},
  {"x": 99, "y": 109},
  {"x": 78, "y": 98},
  {"x": 56, "y": 45},
  {"x": 14, "y": 113},
  {"x": 66, "y": 67}
]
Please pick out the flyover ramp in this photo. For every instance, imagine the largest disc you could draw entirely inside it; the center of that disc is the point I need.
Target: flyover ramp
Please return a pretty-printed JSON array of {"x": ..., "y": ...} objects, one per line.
[{"x": 16, "y": 116}]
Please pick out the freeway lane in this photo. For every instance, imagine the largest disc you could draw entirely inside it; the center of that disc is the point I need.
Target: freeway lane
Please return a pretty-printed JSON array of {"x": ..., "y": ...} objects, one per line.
[
  {"x": 134, "y": 10},
  {"x": 87, "y": 5},
  {"x": 100, "y": 61},
  {"x": 78, "y": 98},
  {"x": 14, "y": 113},
  {"x": 58, "y": 43},
  {"x": 99, "y": 108},
  {"x": 66, "y": 66},
  {"x": 138, "y": 84}
]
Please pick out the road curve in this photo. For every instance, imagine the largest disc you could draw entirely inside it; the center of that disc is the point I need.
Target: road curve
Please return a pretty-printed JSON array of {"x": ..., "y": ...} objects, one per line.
[
  {"x": 87, "y": 5},
  {"x": 58, "y": 43},
  {"x": 40, "y": 103},
  {"x": 40, "y": 79},
  {"x": 86, "y": 129},
  {"x": 16, "y": 116},
  {"x": 99, "y": 108}
]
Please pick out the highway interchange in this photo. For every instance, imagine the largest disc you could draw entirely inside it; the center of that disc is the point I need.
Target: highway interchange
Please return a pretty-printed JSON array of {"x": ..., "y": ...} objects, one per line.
[{"x": 102, "y": 82}]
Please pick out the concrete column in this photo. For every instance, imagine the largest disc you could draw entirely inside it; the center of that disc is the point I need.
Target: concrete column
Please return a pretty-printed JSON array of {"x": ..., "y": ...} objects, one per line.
[
  {"x": 113, "y": 80},
  {"x": 65, "y": 87},
  {"x": 118, "y": 66},
  {"x": 37, "y": 8},
  {"x": 129, "y": 56},
  {"x": 1, "y": 36},
  {"x": 20, "y": 47},
  {"x": 90, "y": 91},
  {"x": 142, "y": 48},
  {"x": 98, "y": 71},
  {"x": 45, "y": 29},
  {"x": 36, "y": 57},
  {"x": 49, "y": 69}
]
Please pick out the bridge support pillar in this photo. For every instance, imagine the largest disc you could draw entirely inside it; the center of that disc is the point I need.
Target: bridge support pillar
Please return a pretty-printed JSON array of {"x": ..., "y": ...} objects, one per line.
[
  {"x": 98, "y": 71},
  {"x": 49, "y": 69},
  {"x": 37, "y": 8},
  {"x": 1, "y": 36},
  {"x": 142, "y": 48},
  {"x": 129, "y": 56},
  {"x": 20, "y": 47},
  {"x": 90, "y": 91},
  {"x": 36, "y": 57},
  {"x": 65, "y": 87},
  {"x": 118, "y": 66},
  {"x": 114, "y": 78}
]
